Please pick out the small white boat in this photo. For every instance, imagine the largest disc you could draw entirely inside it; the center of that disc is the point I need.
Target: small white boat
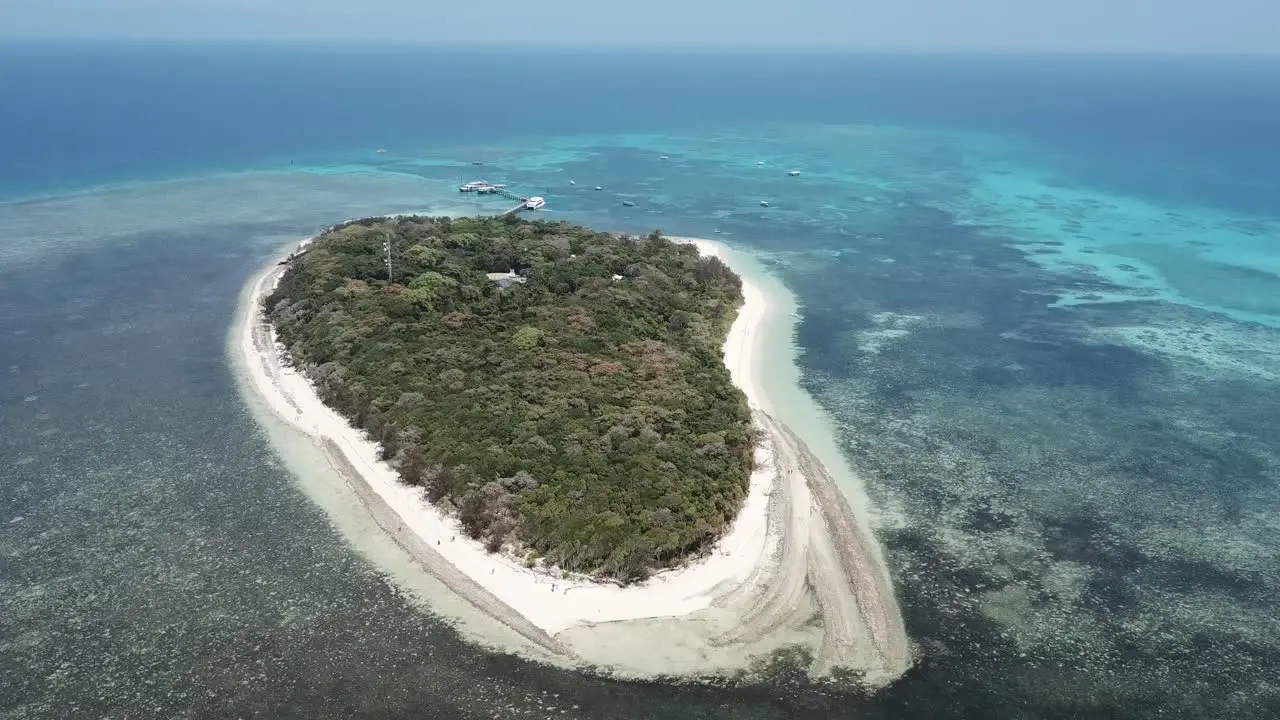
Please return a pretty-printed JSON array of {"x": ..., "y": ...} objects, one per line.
[
  {"x": 599, "y": 188},
  {"x": 764, "y": 203},
  {"x": 794, "y": 173},
  {"x": 535, "y": 203},
  {"x": 759, "y": 162},
  {"x": 716, "y": 231},
  {"x": 663, "y": 157},
  {"x": 482, "y": 187},
  {"x": 572, "y": 182},
  {"x": 381, "y": 151},
  {"x": 628, "y": 203}
]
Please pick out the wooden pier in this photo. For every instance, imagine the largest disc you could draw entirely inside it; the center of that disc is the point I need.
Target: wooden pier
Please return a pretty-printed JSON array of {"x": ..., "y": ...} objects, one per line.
[{"x": 481, "y": 187}]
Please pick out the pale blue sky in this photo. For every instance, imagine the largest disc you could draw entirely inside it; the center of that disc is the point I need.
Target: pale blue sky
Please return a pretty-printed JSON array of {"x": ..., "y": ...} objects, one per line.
[{"x": 1165, "y": 26}]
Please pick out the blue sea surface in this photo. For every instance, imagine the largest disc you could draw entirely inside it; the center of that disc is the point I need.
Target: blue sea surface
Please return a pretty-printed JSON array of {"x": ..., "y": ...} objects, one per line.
[{"x": 1040, "y": 299}]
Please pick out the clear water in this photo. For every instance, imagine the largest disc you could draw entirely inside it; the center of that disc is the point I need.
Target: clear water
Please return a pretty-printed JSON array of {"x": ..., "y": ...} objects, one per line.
[{"x": 1039, "y": 303}]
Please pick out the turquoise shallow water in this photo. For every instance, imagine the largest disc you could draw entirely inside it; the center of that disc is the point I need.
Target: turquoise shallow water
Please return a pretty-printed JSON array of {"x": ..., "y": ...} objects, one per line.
[{"x": 1056, "y": 370}]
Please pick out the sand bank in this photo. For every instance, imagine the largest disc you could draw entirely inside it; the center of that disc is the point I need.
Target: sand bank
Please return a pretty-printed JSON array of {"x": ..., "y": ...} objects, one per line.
[{"x": 749, "y": 595}]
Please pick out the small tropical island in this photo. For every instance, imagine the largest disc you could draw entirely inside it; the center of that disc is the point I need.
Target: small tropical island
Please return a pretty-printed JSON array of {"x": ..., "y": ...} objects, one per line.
[
  {"x": 577, "y": 433},
  {"x": 559, "y": 390}
]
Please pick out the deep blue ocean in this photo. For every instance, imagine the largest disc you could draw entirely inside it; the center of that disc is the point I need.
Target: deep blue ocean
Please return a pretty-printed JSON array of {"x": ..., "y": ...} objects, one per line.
[
  {"x": 1040, "y": 299},
  {"x": 87, "y": 115}
]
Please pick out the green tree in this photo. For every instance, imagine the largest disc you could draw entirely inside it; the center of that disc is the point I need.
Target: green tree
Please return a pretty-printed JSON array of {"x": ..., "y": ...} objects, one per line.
[{"x": 588, "y": 420}]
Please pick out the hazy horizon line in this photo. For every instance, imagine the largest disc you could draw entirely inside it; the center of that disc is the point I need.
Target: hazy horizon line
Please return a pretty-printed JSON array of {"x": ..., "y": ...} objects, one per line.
[{"x": 690, "y": 47}]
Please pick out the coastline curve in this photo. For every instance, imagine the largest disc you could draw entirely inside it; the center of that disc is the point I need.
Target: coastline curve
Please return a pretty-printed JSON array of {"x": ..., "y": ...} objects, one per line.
[{"x": 796, "y": 550}]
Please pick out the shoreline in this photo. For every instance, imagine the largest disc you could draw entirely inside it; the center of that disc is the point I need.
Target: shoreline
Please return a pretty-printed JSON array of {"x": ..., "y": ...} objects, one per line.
[{"x": 750, "y": 592}]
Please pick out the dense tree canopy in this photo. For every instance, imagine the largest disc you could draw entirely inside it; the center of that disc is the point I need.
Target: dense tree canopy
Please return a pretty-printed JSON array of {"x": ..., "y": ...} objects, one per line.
[{"x": 582, "y": 413}]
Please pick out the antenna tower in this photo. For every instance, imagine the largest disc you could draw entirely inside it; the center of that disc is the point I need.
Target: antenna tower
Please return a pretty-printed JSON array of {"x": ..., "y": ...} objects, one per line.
[{"x": 390, "y": 275}]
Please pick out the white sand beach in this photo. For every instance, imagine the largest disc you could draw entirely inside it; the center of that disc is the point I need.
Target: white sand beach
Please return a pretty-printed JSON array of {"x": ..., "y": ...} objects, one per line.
[{"x": 796, "y": 549}]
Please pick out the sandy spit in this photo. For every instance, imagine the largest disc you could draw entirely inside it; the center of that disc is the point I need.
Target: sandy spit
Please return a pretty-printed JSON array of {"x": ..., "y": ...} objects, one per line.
[{"x": 795, "y": 550}]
